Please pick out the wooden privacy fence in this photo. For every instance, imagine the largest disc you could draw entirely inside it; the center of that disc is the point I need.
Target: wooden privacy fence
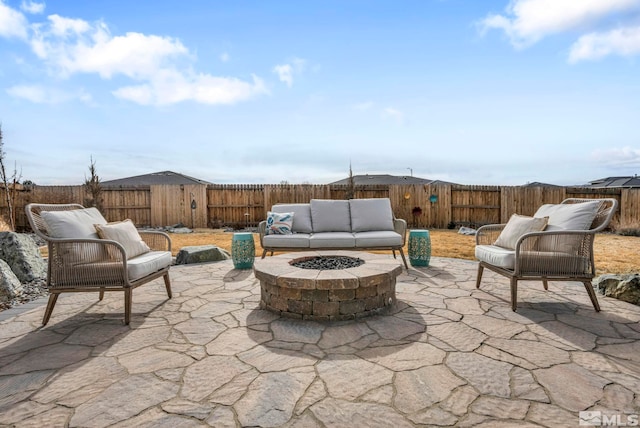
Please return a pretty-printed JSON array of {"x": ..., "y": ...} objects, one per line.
[{"x": 238, "y": 206}]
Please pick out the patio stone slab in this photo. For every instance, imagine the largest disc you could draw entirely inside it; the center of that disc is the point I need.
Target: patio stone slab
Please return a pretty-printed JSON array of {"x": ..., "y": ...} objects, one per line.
[{"x": 445, "y": 354}]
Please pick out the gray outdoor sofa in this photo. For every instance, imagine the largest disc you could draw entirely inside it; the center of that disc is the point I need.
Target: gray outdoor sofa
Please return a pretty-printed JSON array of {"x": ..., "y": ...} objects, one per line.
[{"x": 326, "y": 224}]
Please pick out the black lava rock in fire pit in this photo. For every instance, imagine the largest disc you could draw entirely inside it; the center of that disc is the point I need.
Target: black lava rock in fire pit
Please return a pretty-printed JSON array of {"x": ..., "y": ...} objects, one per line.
[{"x": 327, "y": 262}]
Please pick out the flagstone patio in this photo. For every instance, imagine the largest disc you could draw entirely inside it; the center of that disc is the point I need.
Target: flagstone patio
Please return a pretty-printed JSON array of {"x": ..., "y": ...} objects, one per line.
[{"x": 447, "y": 355}]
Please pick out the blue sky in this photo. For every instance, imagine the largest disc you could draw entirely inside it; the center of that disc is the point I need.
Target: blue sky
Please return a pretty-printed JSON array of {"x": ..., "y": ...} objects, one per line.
[{"x": 474, "y": 92}]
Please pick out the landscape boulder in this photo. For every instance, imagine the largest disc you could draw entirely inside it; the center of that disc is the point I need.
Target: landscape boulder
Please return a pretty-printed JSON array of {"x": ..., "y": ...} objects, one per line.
[
  {"x": 21, "y": 253},
  {"x": 201, "y": 254},
  {"x": 622, "y": 287},
  {"x": 10, "y": 285}
]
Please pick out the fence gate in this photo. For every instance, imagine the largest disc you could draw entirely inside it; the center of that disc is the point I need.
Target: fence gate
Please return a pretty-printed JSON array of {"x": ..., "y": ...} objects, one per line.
[{"x": 184, "y": 203}]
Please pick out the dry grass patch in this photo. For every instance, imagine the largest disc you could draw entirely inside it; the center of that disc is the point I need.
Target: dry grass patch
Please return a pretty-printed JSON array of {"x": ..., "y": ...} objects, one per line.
[{"x": 613, "y": 253}]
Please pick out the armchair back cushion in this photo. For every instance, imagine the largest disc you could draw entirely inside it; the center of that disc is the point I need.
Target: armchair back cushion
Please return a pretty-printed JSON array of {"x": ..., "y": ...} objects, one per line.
[
  {"x": 125, "y": 233},
  {"x": 301, "y": 216},
  {"x": 373, "y": 214},
  {"x": 76, "y": 224},
  {"x": 577, "y": 216},
  {"x": 73, "y": 224},
  {"x": 330, "y": 215}
]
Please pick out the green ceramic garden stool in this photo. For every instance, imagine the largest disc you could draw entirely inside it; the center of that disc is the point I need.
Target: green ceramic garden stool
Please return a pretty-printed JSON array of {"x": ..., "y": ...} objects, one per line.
[
  {"x": 419, "y": 247},
  {"x": 243, "y": 250}
]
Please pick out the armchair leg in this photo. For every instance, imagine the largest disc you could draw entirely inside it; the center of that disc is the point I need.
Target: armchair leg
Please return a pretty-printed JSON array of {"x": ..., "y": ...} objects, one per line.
[
  {"x": 479, "y": 276},
  {"x": 167, "y": 284},
  {"x": 127, "y": 304},
  {"x": 394, "y": 253},
  {"x": 592, "y": 295},
  {"x": 264, "y": 253},
  {"x": 101, "y": 295},
  {"x": 53, "y": 298},
  {"x": 404, "y": 259},
  {"x": 514, "y": 294},
  {"x": 545, "y": 284}
]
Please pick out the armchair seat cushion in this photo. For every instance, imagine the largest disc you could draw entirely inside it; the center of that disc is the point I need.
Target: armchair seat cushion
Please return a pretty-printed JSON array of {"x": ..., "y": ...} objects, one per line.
[
  {"x": 332, "y": 240},
  {"x": 496, "y": 256},
  {"x": 148, "y": 263},
  {"x": 383, "y": 238},
  {"x": 295, "y": 240}
]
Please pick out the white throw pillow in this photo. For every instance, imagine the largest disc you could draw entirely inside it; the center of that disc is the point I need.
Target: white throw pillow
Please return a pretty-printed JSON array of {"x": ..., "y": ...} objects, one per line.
[
  {"x": 279, "y": 223},
  {"x": 125, "y": 233},
  {"x": 517, "y": 226}
]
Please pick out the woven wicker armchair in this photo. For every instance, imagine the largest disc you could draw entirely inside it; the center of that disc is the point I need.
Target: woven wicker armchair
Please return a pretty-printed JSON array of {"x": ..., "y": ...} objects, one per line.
[
  {"x": 98, "y": 265},
  {"x": 550, "y": 255}
]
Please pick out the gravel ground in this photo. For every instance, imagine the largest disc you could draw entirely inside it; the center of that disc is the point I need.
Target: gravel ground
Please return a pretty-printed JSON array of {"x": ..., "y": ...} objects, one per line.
[{"x": 31, "y": 291}]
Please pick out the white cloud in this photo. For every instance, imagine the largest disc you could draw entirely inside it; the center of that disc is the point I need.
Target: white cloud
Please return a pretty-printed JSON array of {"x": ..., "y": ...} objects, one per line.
[
  {"x": 593, "y": 46},
  {"x": 170, "y": 86},
  {"x": 394, "y": 114},
  {"x": 224, "y": 57},
  {"x": 75, "y": 46},
  {"x": 367, "y": 105},
  {"x": 528, "y": 21},
  {"x": 32, "y": 7},
  {"x": 285, "y": 72},
  {"x": 618, "y": 157},
  {"x": 42, "y": 95},
  {"x": 160, "y": 66},
  {"x": 12, "y": 23}
]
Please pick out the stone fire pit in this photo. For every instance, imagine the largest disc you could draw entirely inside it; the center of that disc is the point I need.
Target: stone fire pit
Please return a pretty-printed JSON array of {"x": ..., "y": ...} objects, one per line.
[{"x": 326, "y": 294}]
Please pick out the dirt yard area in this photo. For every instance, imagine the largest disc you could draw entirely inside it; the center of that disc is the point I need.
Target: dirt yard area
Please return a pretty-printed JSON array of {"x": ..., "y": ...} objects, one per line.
[{"x": 613, "y": 253}]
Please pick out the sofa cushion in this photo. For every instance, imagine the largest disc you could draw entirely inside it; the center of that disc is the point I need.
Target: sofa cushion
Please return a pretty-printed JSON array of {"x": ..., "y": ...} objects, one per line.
[
  {"x": 126, "y": 234},
  {"x": 301, "y": 216},
  {"x": 279, "y": 223},
  {"x": 382, "y": 238},
  {"x": 371, "y": 214},
  {"x": 330, "y": 215},
  {"x": 496, "y": 256},
  {"x": 332, "y": 240},
  {"x": 517, "y": 226},
  {"x": 296, "y": 240}
]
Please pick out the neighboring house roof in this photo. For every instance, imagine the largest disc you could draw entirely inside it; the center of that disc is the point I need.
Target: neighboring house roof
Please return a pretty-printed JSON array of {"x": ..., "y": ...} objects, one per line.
[
  {"x": 386, "y": 179},
  {"x": 539, "y": 184},
  {"x": 162, "y": 177},
  {"x": 615, "y": 182}
]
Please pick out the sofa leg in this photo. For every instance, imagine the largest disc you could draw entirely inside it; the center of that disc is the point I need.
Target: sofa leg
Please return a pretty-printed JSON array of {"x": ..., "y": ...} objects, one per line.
[
  {"x": 264, "y": 253},
  {"x": 545, "y": 284},
  {"x": 394, "y": 254}
]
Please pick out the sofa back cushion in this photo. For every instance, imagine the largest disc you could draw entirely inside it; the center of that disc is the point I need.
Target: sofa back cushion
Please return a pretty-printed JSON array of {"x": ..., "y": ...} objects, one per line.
[
  {"x": 301, "y": 216},
  {"x": 329, "y": 215},
  {"x": 371, "y": 214}
]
